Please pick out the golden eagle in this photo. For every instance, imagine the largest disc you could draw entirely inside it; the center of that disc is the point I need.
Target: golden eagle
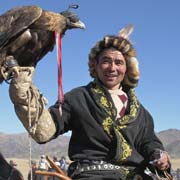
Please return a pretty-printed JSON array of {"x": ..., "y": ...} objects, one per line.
[{"x": 27, "y": 34}]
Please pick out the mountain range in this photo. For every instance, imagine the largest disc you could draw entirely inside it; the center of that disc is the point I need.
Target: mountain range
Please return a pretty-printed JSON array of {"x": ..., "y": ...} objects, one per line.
[{"x": 19, "y": 145}]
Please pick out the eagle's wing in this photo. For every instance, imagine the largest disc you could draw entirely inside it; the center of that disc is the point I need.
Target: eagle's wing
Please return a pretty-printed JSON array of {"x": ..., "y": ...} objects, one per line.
[{"x": 16, "y": 21}]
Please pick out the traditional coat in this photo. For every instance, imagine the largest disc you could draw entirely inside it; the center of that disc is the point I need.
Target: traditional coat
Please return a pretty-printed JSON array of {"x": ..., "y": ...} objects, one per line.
[{"x": 89, "y": 112}]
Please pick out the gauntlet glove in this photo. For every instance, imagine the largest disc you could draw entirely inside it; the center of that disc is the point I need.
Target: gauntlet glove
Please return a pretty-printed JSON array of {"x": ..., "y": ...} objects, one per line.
[{"x": 29, "y": 105}]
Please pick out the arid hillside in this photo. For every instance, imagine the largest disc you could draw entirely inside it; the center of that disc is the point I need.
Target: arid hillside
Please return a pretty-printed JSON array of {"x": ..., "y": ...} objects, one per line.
[{"x": 16, "y": 147}]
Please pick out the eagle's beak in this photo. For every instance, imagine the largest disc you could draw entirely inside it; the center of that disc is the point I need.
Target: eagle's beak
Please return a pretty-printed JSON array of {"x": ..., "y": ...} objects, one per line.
[{"x": 79, "y": 24}]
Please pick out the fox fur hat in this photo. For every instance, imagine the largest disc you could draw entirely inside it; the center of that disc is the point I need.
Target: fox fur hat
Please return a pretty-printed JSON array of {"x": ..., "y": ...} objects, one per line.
[{"x": 123, "y": 44}]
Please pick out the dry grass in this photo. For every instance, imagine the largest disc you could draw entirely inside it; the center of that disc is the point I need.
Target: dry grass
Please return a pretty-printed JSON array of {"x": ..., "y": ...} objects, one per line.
[
  {"x": 175, "y": 163},
  {"x": 23, "y": 165}
]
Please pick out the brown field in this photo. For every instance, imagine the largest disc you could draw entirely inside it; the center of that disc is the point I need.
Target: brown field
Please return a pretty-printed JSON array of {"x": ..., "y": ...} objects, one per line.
[
  {"x": 23, "y": 165},
  {"x": 175, "y": 163}
]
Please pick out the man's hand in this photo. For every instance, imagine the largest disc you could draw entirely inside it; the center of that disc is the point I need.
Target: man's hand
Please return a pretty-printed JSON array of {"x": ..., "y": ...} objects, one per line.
[{"x": 163, "y": 163}]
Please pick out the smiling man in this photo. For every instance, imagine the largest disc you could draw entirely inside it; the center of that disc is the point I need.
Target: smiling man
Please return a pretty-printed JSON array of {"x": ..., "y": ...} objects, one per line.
[
  {"x": 112, "y": 133},
  {"x": 111, "y": 68}
]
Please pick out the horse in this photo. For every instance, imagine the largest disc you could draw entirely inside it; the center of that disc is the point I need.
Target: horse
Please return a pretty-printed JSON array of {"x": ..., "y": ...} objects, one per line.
[{"x": 7, "y": 172}]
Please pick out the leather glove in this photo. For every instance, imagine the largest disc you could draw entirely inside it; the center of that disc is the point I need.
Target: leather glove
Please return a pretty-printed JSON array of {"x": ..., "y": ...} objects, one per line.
[
  {"x": 29, "y": 105},
  {"x": 20, "y": 84}
]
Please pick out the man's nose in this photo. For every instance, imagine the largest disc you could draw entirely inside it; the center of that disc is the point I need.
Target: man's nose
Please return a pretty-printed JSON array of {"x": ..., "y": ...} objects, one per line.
[{"x": 113, "y": 66}]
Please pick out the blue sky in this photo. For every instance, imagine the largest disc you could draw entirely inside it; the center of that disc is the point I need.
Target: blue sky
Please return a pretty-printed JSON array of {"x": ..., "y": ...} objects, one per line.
[{"x": 155, "y": 37}]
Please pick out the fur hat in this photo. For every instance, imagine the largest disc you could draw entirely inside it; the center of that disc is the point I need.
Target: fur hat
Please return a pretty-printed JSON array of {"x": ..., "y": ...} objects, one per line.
[{"x": 121, "y": 43}]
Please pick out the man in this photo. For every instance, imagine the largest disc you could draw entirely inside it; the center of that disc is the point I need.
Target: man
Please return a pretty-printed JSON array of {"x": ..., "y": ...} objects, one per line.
[
  {"x": 43, "y": 163},
  {"x": 12, "y": 163},
  {"x": 32, "y": 171},
  {"x": 63, "y": 164},
  {"x": 112, "y": 133}
]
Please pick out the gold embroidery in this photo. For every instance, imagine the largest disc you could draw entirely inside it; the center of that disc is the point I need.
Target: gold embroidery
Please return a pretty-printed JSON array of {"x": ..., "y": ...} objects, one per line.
[
  {"x": 134, "y": 105},
  {"x": 106, "y": 104},
  {"x": 107, "y": 123},
  {"x": 102, "y": 100},
  {"x": 96, "y": 90},
  {"x": 126, "y": 150}
]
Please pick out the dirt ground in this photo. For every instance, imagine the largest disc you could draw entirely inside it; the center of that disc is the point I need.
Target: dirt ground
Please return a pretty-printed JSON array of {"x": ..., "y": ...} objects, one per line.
[{"x": 23, "y": 165}]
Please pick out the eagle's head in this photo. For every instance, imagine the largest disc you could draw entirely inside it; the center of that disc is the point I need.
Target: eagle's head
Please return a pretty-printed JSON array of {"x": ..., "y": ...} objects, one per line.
[{"x": 72, "y": 19}]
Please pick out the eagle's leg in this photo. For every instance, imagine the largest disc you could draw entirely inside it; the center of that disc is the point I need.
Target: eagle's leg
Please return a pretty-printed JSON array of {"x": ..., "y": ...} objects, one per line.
[
  {"x": 9, "y": 67},
  {"x": 17, "y": 69}
]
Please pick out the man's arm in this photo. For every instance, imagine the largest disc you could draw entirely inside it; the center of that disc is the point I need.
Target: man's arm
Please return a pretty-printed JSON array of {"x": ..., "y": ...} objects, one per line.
[
  {"x": 151, "y": 147},
  {"x": 29, "y": 105}
]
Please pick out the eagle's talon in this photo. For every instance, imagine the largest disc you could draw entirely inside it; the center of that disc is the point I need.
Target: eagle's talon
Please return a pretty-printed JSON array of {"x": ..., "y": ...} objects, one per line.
[
  {"x": 9, "y": 68},
  {"x": 15, "y": 71}
]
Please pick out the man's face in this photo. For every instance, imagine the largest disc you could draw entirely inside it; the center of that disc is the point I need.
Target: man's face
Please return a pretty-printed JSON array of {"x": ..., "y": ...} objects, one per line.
[{"x": 110, "y": 68}]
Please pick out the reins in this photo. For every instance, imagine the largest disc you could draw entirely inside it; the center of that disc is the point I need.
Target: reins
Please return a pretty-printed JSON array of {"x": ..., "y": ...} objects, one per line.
[{"x": 32, "y": 127}]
